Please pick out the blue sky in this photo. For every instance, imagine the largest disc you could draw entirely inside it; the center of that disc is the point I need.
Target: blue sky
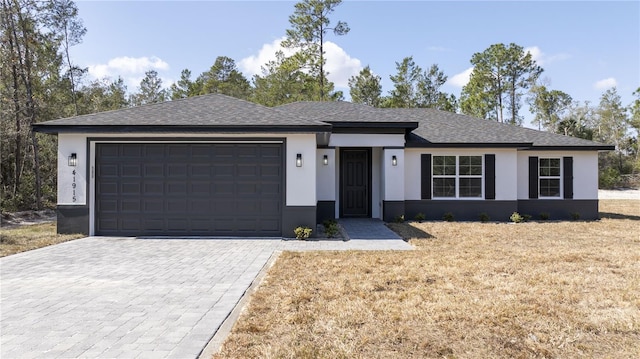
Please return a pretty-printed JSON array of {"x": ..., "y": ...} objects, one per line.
[{"x": 584, "y": 47}]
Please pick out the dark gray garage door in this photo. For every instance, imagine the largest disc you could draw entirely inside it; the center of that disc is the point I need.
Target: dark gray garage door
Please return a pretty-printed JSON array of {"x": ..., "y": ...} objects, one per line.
[{"x": 194, "y": 189}]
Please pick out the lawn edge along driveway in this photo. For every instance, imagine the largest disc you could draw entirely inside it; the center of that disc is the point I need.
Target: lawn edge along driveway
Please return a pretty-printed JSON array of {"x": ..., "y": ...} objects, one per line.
[{"x": 106, "y": 297}]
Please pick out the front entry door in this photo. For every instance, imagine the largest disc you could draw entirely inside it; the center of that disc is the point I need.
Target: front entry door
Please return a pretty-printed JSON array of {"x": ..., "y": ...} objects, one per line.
[{"x": 355, "y": 183}]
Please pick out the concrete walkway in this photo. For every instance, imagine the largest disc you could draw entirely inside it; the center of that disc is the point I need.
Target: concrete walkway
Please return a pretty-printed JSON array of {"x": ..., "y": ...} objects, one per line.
[
  {"x": 104, "y": 297},
  {"x": 367, "y": 228}
]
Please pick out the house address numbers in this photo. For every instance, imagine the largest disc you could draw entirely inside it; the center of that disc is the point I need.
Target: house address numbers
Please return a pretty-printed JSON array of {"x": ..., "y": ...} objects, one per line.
[{"x": 74, "y": 198}]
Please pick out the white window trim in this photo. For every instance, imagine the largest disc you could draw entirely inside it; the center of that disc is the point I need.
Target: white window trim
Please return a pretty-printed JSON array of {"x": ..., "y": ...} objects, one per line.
[
  {"x": 457, "y": 177},
  {"x": 559, "y": 178}
]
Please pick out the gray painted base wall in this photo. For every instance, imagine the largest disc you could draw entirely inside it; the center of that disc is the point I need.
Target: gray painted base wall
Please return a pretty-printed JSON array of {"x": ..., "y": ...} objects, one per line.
[
  {"x": 326, "y": 210},
  {"x": 587, "y": 209},
  {"x": 295, "y": 216},
  {"x": 461, "y": 210},
  {"x": 72, "y": 219},
  {"x": 502, "y": 210},
  {"x": 392, "y": 209}
]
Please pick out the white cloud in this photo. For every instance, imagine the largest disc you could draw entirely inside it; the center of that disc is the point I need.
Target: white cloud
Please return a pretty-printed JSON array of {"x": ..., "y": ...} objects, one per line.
[
  {"x": 605, "y": 84},
  {"x": 252, "y": 65},
  {"x": 131, "y": 69},
  {"x": 460, "y": 79},
  {"x": 339, "y": 64},
  {"x": 541, "y": 58}
]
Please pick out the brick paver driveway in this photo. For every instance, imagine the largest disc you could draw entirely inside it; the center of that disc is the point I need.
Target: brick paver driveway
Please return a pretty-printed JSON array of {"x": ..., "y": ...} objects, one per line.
[
  {"x": 131, "y": 298},
  {"x": 127, "y": 298}
]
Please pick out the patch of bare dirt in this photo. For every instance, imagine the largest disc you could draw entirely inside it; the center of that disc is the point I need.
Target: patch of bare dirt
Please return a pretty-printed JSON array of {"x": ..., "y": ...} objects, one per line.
[{"x": 14, "y": 219}]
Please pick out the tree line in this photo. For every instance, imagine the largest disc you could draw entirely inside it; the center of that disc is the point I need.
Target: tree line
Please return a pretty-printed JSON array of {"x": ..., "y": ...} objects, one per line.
[{"x": 40, "y": 82}]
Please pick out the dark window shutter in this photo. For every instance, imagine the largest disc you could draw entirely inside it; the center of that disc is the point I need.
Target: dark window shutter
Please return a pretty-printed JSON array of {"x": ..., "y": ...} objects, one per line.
[
  {"x": 533, "y": 177},
  {"x": 567, "y": 179},
  {"x": 490, "y": 176},
  {"x": 425, "y": 165}
]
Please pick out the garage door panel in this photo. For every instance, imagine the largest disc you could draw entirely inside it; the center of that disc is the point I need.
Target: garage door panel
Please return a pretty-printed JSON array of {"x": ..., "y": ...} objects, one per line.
[
  {"x": 131, "y": 170},
  {"x": 130, "y": 224},
  {"x": 130, "y": 188},
  {"x": 108, "y": 170},
  {"x": 200, "y": 188},
  {"x": 176, "y": 205},
  {"x": 272, "y": 152},
  {"x": 178, "y": 150},
  {"x": 224, "y": 151},
  {"x": 176, "y": 188},
  {"x": 177, "y": 170},
  {"x": 153, "y": 170},
  {"x": 130, "y": 205},
  {"x": 248, "y": 170},
  {"x": 108, "y": 205},
  {"x": 189, "y": 189},
  {"x": 154, "y": 224},
  {"x": 198, "y": 206},
  {"x": 247, "y": 189},
  {"x": 222, "y": 170},
  {"x": 151, "y": 205},
  {"x": 225, "y": 188},
  {"x": 200, "y": 170},
  {"x": 153, "y": 188},
  {"x": 270, "y": 189},
  {"x": 130, "y": 151}
]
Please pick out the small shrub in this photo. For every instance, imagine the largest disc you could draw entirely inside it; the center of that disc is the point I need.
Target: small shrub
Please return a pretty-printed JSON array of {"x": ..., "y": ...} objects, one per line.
[
  {"x": 302, "y": 232},
  {"x": 544, "y": 216},
  {"x": 449, "y": 217},
  {"x": 516, "y": 217},
  {"x": 399, "y": 218},
  {"x": 575, "y": 215},
  {"x": 420, "y": 217},
  {"x": 526, "y": 217},
  {"x": 484, "y": 217},
  {"x": 330, "y": 227}
]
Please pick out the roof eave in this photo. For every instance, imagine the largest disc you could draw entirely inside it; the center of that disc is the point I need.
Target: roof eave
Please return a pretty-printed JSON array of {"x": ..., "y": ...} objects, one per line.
[
  {"x": 54, "y": 129},
  {"x": 468, "y": 145},
  {"x": 412, "y": 125},
  {"x": 573, "y": 148}
]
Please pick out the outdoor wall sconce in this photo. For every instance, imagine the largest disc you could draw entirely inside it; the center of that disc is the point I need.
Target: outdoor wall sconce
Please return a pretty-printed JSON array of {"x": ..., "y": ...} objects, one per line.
[
  {"x": 299, "y": 160},
  {"x": 325, "y": 160},
  {"x": 394, "y": 160},
  {"x": 73, "y": 160}
]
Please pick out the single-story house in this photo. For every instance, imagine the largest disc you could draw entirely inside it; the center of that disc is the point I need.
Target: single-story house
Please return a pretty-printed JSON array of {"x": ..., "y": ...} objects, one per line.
[{"x": 214, "y": 165}]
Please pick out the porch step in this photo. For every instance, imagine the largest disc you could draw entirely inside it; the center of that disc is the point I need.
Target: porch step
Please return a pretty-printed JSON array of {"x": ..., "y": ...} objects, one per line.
[{"x": 366, "y": 228}]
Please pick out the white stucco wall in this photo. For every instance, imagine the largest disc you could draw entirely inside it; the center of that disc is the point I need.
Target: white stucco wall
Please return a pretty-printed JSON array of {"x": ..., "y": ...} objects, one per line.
[
  {"x": 301, "y": 181},
  {"x": 366, "y": 140},
  {"x": 70, "y": 185},
  {"x": 394, "y": 176},
  {"x": 585, "y": 172},
  {"x": 506, "y": 170},
  {"x": 326, "y": 175}
]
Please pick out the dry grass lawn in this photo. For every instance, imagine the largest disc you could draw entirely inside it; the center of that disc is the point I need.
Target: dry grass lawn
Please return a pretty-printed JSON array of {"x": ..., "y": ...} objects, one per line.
[
  {"x": 532, "y": 290},
  {"x": 27, "y": 237}
]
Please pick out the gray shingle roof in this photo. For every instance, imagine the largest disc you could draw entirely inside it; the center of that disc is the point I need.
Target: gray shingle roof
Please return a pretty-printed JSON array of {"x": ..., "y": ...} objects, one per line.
[
  {"x": 219, "y": 112},
  {"x": 441, "y": 128},
  {"x": 206, "y": 110}
]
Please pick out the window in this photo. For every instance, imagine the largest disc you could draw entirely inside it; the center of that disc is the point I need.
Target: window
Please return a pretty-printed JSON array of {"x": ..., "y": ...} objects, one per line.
[
  {"x": 549, "y": 177},
  {"x": 457, "y": 176}
]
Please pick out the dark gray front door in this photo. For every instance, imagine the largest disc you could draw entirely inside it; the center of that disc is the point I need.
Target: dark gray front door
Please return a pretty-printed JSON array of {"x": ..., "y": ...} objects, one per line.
[
  {"x": 355, "y": 183},
  {"x": 170, "y": 189}
]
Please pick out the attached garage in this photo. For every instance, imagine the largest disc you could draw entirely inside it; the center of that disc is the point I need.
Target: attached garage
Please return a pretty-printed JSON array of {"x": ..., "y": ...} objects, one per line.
[{"x": 189, "y": 189}]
